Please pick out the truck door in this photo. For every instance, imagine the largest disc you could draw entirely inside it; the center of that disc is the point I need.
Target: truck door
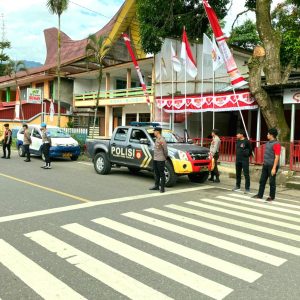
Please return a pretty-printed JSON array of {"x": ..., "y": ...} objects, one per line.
[
  {"x": 142, "y": 154},
  {"x": 118, "y": 148},
  {"x": 36, "y": 139}
]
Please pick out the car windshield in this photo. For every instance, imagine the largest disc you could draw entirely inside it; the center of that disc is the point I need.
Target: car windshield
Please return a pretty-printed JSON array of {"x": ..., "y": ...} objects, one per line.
[
  {"x": 170, "y": 137},
  {"x": 57, "y": 133}
]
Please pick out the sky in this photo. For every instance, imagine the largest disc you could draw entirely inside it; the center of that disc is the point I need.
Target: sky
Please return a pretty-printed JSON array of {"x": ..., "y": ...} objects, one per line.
[{"x": 25, "y": 21}]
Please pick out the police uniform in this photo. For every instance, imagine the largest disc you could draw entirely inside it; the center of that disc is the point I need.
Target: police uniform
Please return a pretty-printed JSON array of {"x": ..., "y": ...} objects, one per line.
[
  {"x": 7, "y": 142},
  {"x": 46, "y": 139}
]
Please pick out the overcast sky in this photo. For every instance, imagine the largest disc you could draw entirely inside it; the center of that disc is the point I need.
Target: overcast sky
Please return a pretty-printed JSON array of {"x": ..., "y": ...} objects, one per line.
[{"x": 25, "y": 21}]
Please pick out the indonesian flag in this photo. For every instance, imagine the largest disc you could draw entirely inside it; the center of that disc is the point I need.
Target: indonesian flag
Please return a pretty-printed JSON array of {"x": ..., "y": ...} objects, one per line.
[
  {"x": 176, "y": 64},
  {"x": 187, "y": 56},
  {"x": 52, "y": 110},
  {"x": 236, "y": 78},
  {"x": 17, "y": 106},
  {"x": 211, "y": 48}
]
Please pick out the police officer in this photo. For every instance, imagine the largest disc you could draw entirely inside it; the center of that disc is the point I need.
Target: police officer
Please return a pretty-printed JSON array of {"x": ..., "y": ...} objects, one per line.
[
  {"x": 46, "y": 139},
  {"x": 243, "y": 152},
  {"x": 214, "y": 152},
  {"x": 7, "y": 141},
  {"x": 26, "y": 142},
  {"x": 270, "y": 166},
  {"x": 159, "y": 160}
]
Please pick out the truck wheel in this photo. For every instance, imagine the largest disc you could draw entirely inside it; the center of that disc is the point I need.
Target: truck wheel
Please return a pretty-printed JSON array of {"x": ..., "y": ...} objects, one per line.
[
  {"x": 171, "y": 177},
  {"x": 74, "y": 158},
  {"x": 133, "y": 170},
  {"x": 101, "y": 164},
  {"x": 199, "y": 177},
  {"x": 21, "y": 151}
]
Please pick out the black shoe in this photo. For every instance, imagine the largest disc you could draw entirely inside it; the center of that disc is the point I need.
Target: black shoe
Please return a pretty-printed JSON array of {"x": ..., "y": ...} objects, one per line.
[
  {"x": 154, "y": 188},
  {"x": 256, "y": 197},
  {"x": 3, "y": 156},
  {"x": 7, "y": 157},
  {"x": 211, "y": 179},
  {"x": 27, "y": 160},
  {"x": 217, "y": 180},
  {"x": 162, "y": 190},
  {"x": 43, "y": 167},
  {"x": 269, "y": 199}
]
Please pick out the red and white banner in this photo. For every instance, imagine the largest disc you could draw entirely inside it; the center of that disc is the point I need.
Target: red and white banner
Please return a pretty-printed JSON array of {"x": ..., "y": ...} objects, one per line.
[
  {"x": 18, "y": 104},
  {"x": 242, "y": 100},
  {"x": 187, "y": 56},
  {"x": 236, "y": 78},
  {"x": 51, "y": 110},
  {"x": 138, "y": 70}
]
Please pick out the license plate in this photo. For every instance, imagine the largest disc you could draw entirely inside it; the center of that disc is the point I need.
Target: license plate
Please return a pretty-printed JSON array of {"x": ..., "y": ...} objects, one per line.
[{"x": 67, "y": 155}]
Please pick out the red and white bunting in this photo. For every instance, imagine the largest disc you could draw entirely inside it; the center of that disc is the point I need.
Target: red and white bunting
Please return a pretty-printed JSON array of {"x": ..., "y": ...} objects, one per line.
[{"x": 218, "y": 103}]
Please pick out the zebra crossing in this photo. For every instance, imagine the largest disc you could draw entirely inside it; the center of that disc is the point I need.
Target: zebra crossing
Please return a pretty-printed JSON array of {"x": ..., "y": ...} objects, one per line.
[{"x": 258, "y": 232}]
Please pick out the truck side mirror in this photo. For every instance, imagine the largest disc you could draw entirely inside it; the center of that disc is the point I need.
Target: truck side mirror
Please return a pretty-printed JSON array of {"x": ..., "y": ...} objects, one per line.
[{"x": 144, "y": 141}]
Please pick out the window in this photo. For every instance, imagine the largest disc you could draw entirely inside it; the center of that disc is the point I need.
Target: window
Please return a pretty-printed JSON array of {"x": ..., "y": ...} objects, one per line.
[
  {"x": 137, "y": 135},
  {"x": 36, "y": 134},
  {"x": 130, "y": 118},
  {"x": 121, "y": 134},
  {"x": 144, "y": 117}
]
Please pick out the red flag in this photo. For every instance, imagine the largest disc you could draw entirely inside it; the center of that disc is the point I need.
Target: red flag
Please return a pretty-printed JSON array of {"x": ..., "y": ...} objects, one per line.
[
  {"x": 236, "y": 78},
  {"x": 187, "y": 56},
  {"x": 138, "y": 70}
]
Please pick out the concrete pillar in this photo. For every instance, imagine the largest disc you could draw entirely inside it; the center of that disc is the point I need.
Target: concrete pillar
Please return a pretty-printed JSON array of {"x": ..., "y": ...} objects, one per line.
[
  {"x": 258, "y": 128},
  {"x": 128, "y": 79},
  {"x": 108, "y": 120},
  {"x": 8, "y": 94},
  {"x": 46, "y": 89},
  {"x": 33, "y": 85},
  {"x": 293, "y": 112},
  {"x": 249, "y": 123},
  {"x": 107, "y": 84}
]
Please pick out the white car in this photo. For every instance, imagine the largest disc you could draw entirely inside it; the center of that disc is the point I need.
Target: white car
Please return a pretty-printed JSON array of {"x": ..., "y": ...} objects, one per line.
[{"x": 62, "y": 144}]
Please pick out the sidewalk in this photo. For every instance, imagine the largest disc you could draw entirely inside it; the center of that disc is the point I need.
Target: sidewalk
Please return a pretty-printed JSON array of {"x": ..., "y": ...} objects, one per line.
[{"x": 227, "y": 177}]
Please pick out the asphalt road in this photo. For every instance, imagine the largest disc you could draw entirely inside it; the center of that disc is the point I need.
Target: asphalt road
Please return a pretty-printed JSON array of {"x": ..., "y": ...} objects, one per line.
[{"x": 68, "y": 233}]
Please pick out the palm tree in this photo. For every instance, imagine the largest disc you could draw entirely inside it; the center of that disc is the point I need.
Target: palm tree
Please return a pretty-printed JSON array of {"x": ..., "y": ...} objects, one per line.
[
  {"x": 11, "y": 70},
  {"x": 96, "y": 51},
  {"x": 57, "y": 7}
]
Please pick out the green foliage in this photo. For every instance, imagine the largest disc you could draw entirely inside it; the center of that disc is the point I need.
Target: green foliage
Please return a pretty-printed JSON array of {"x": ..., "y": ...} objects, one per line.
[
  {"x": 245, "y": 36},
  {"x": 4, "y": 58},
  {"x": 12, "y": 67},
  {"x": 160, "y": 19},
  {"x": 57, "y": 7}
]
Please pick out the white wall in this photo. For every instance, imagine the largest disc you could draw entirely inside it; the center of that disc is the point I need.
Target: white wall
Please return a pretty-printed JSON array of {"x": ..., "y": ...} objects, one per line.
[{"x": 82, "y": 86}]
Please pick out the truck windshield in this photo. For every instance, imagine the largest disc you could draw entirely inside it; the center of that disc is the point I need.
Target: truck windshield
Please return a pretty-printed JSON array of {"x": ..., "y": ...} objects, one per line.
[
  {"x": 57, "y": 133},
  {"x": 170, "y": 137}
]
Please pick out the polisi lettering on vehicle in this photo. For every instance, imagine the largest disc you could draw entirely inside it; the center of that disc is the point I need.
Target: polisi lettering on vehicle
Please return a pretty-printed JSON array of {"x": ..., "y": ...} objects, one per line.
[{"x": 123, "y": 152}]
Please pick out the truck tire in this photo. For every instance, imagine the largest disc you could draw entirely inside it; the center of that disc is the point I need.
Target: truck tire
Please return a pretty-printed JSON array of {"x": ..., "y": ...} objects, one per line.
[
  {"x": 171, "y": 177},
  {"x": 133, "y": 170},
  {"x": 199, "y": 177},
  {"x": 101, "y": 164},
  {"x": 21, "y": 151},
  {"x": 74, "y": 158}
]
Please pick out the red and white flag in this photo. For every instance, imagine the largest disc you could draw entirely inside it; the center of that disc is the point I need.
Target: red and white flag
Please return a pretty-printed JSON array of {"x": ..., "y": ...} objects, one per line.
[
  {"x": 187, "y": 56},
  {"x": 211, "y": 48},
  {"x": 237, "y": 80},
  {"x": 18, "y": 104},
  {"x": 176, "y": 64}
]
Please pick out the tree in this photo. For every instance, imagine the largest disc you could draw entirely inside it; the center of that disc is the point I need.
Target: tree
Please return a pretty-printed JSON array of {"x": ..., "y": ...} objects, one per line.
[
  {"x": 57, "y": 7},
  {"x": 4, "y": 58},
  {"x": 160, "y": 19},
  {"x": 96, "y": 51},
  {"x": 279, "y": 58}
]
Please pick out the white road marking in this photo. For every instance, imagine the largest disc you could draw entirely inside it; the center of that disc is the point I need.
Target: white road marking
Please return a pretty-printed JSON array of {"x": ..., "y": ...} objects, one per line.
[
  {"x": 217, "y": 242},
  {"x": 85, "y": 163},
  {"x": 113, "y": 278},
  {"x": 274, "y": 203},
  {"x": 230, "y": 232},
  {"x": 228, "y": 220},
  {"x": 263, "y": 210},
  {"x": 38, "y": 279},
  {"x": 178, "y": 274},
  {"x": 197, "y": 256},
  {"x": 97, "y": 203}
]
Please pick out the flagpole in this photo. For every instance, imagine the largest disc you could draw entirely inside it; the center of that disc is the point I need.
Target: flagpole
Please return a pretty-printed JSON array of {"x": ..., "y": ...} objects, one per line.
[
  {"x": 172, "y": 115},
  {"x": 213, "y": 81},
  {"x": 185, "y": 92},
  {"x": 161, "y": 90},
  {"x": 202, "y": 90}
]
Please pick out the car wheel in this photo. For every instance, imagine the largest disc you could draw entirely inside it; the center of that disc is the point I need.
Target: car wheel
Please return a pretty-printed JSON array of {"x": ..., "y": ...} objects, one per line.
[
  {"x": 171, "y": 177},
  {"x": 101, "y": 164},
  {"x": 133, "y": 170},
  {"x": 21, "y": 151},
  {"x": 199, "y": 177},
  {"x": 74, "y": 158}
]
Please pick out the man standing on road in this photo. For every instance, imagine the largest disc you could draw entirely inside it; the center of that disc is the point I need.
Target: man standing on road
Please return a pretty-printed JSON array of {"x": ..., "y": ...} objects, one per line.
[
  {"x": 159, "y": 160},
  {"x": 243, "y": 152},
  {"x": 46, "y": 139},
  {"x": 26, "y": 142},
  {"x": 7, "y": 141},
  {"x": 270, "y": 166},
  {"x": 214, "y": 152}
]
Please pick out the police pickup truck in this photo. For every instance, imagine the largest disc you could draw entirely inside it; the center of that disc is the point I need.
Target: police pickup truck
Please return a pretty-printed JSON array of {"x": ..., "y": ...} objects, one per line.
[{"x": 133, "y": 146}]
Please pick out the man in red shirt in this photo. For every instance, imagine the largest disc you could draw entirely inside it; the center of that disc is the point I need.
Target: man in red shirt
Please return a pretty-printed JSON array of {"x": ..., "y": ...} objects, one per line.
[{"x": 271, "y": 165}]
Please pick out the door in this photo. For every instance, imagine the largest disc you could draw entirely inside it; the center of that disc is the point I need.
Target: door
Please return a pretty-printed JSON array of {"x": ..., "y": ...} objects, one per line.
[
  {"x": 119, "y": 153},
  {"x": 36, "y": 138},
  {"x": 142, "y": 156}
]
